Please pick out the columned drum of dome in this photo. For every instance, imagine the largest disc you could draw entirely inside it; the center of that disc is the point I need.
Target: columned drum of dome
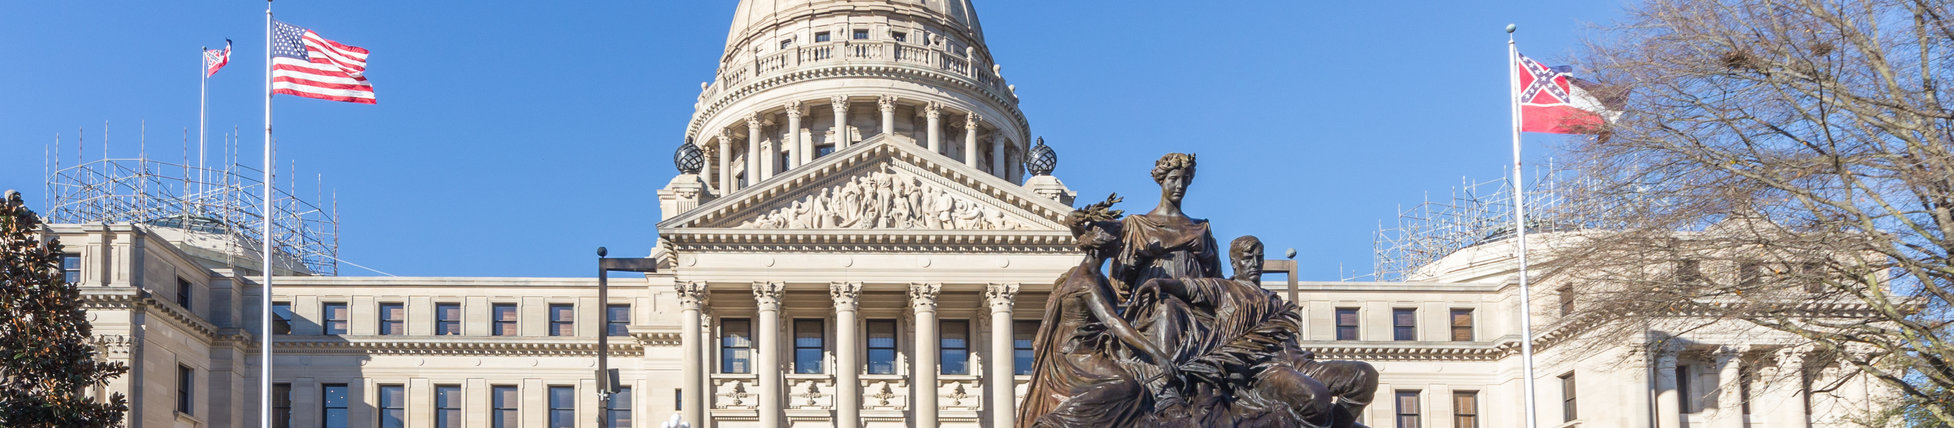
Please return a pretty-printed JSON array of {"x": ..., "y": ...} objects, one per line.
[{"x": 881, "y": 67}]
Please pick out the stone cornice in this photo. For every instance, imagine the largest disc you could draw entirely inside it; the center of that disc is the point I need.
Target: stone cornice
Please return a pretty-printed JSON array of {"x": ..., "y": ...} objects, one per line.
[
  {"x": 817, "y": 241},
  {"x": 456, "y": 345},
  {"x": 98, "y": 298}
]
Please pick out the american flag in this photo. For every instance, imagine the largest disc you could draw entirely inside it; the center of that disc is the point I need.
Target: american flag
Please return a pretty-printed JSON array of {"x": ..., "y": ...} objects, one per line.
[
  {"x": 306, "y": 65},
  {"x": 214, "y": 60}
]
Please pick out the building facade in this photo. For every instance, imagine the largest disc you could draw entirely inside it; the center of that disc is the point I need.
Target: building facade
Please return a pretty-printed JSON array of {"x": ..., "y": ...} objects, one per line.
[{"x": 853, "y": 239}]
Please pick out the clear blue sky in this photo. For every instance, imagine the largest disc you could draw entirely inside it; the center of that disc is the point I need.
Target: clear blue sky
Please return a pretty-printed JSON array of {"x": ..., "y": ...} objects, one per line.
[{"x": 513, "y": 138}]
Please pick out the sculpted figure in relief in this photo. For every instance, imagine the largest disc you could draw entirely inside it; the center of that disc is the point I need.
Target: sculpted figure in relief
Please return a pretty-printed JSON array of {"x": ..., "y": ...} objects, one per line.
[{"x": 883, "y": 200}]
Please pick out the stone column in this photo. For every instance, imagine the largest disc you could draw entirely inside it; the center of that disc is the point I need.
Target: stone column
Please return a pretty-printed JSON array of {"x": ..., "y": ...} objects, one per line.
[
  {"x": 934, "y": 111},
  {"x": 802, "y": 155},
  {"x": 691, "y": 298},
  {"x": 1730, "y": 399},
  {"x": 848, "y": 349},
  {"x": 754, "y": 156},
  {"x": 970, "y": 140},
  {"x": 725, "y": 162},
  {"x": 922, "y": 299},
  {"x": 767, "y": 353},
  {"x": 1004, "y": 397},
  {"x": 1668, "y": 412},
  {"x": 840, "y": 105},
  {"x": 1791, "y": 380},
  {"x": 887, "y": 104},
  {"x": 997, "y": 156}
]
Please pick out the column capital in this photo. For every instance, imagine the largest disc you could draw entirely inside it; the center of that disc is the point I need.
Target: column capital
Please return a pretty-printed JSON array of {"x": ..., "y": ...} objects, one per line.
[
  {"x": 933, "y": 110},
  {"x": 886, "y": 103},
  {"x": 847, "y": 295},
  {"x": 1726, "y": 353},
  {"x": 767, "y": 294},
  {"x": 753, "y": 123},
  {"x": 838, "y": 102},
  {"x": 793, "y": 109},
  {"x": 1792, "y": 357},
  {"x": 1000, "y": 296},
  {"x": 726, "y": 135},
  {"x": 922, "y": 295},
  {"x": 970, "y": 121},
  {"x": 692, "y": 294}
]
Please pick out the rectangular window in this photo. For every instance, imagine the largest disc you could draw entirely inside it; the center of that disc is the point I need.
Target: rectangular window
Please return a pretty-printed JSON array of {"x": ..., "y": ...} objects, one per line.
[
  {"x": 1683, "y": 400},
  {"x": 1689, "y": 271},
  {"x": 823, "y": 150},
  {"x": 281, "y": 405},
  {"x": 1346, "y": 323},
  {"x": 617, "y": 320},
  {"x": 281, "y": 318},
  {"x": 335, "y": 314},
  {"x": 678, "y": 399},
  {"x": 393, "y": 319},
  {"x": 1744, "y": 377},
  {"x": 183, "y": 293},
  {"x": 861, "y": 35},
  {"x": 186, "y": 384},
  {"x": 1814, "y": 276},
  {"x": 1567, "y": 407},
  {"x": 333, "y": 405},
  {"x": 447, "y": 406},
  {"x": 881, "y": 346},
  {"x": 955, "y": 348},
  {"x": 1407, "y": 401},
  {"x": 899, "y": 36},
  {"x": 563, "y": 319},
  {"x": 71, "y": 268},
  {"x": 563, "y": 407},
  {"x": 1404, "y": 324},
  {"x": 1748, "y": 272},
  {"x": 504, "y": 317},
  {"x": 786, "y": 43},
  {"x": 735, "y": 345},
  {"x": 1566, "y": 299},
  {"x": 1461, "y": 325},
  {"x": 1465, "y": 409},
  {"x": 808, "y": 337},
  {"x": 1022, "y": 333},
  {"x": 447, "y": 319},
  {"x": 503, "y": 399},
  {"x": 393, "y": 406},
  {"x": 821, "y": 37},
  {"x": 620, "y": 411}
]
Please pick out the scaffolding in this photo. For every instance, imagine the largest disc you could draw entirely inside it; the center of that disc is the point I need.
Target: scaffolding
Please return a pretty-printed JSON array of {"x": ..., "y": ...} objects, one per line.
[
  {"x": 216, "y": 208},
  {"x": 1480, "y": 212}
]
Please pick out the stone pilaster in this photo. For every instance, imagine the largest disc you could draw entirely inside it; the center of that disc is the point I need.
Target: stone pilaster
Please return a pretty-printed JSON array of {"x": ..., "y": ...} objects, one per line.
[
  {"x": 887, "y": 104},
  {"x": 692, "y": 299},
  {"x": 840, "y": 105},
  {"x": 1004, "y": 399},
  {"x": 848, "y": 349},
  {"x": 802, "y": 152},
  {"x": 922, "y": 300},
  {"x": 767, "y": 296},
  {"x": 1790, "y": 384},
  {"x": 934, "y": 112},
  {"x": 970, "y": 139},
  {"x": 1729, "y": 412}
]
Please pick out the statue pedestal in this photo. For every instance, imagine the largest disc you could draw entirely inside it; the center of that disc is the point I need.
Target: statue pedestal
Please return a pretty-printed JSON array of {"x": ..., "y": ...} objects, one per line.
[
  {"x": 1050, "y": 187},
  {"x": 685, "y": 192}
]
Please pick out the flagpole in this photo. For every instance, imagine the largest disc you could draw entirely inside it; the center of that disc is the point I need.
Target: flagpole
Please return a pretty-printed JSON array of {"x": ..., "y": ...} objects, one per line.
[
  {"x": 1520, "y": 227},
  {"x": 203, "y": 91},
  {"x": 265, "y": 332}
]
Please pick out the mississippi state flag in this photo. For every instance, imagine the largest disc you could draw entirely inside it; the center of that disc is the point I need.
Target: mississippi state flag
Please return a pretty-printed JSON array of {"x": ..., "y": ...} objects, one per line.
[
  {"x": 1552, "y": 102},
  {"x": 214, "y": 60}
]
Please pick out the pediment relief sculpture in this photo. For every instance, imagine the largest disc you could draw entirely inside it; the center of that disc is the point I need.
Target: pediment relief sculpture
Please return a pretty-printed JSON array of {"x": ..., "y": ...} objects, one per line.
[{"x": 885, "y": 199}]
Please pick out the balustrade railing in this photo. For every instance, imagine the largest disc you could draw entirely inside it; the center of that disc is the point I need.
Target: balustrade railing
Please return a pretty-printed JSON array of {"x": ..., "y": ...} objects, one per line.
[{"x": 948, "y": 62}]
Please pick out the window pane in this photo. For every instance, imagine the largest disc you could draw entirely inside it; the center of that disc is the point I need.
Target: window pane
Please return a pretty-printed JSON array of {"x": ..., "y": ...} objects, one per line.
[
  {"x": 881, "y": 361},
  {"x": 620, "y": 411},
  {"x": 393, "y": 406},
  {"x": 447, "y": 318},
  {"x": 562, "y": 320},
  {"x": 955, "y": 334},
  {"x": 71, "y": 268},
  {"x": 808, "y": 333},
  {"x": 505, "y": 319},
  {"x": 281, "y": 405},
  {"x": 503, "y": 398},
  {"x": 562, "y": 407},
  {"x": 335, "y": 314},
  {"x": 956, "y": 362},
  {"x": 391, "y": 317},
  {"x": 735, "y": 332},
  {"x": 281, "y": 318},
  {"x": 617, "y": 320},
  {"x": 882, "y": 333}
]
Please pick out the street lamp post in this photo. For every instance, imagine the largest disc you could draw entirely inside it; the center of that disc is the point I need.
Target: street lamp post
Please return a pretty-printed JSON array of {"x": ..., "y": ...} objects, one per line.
[{"x": 604, "y": 267}]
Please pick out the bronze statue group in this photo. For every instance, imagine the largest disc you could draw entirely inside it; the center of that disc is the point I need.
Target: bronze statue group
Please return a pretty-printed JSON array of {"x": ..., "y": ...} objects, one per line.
[{"x": 1163, "y": 339}]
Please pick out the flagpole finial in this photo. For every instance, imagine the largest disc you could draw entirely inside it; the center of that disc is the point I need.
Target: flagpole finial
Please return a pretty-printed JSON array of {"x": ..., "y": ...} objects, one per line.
[{"x": 1511, "y": 27}]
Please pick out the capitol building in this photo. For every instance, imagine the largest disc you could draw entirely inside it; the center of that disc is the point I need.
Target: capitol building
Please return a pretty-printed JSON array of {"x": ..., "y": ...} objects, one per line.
[{"x": 862, "y": 233}]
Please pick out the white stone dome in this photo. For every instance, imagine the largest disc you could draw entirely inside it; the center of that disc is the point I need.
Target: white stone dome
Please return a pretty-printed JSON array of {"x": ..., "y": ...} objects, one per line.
[{"x": 759, "y": 15}]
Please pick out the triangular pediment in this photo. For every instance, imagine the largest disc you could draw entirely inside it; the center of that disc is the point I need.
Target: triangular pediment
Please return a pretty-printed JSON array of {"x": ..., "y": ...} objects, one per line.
[{"x": 887, "y": 185}]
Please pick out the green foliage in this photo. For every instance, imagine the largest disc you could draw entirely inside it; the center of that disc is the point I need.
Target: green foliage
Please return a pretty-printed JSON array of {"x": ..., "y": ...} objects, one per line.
[{"x": 46, "y": 362}]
